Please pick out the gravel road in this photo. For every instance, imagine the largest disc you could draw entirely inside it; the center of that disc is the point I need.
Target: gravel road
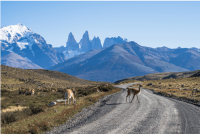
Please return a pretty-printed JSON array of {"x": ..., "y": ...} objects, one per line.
[{"x": 153, "y": 115}]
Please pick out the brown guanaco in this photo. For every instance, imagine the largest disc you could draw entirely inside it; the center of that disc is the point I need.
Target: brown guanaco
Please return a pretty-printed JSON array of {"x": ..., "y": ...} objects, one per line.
[
  {"x": 32, "y": 91},
  {"x": 70, "y": 95},
  {"x": 134, "y": 92}
]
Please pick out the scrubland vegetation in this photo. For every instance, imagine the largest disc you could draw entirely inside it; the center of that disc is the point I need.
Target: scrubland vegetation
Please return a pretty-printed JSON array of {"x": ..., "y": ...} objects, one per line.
[
  {"x": 185, "y": 88},
  {"x": 37, "y": 117},
  {"x": 26, "y": 113}
]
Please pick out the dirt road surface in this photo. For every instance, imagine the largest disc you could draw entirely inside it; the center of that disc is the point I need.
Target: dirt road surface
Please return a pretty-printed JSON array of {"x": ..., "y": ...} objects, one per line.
[{"x": 153, "y": 115}]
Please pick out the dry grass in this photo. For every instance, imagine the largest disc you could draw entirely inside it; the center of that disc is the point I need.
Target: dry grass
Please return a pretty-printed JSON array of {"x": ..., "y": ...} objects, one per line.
[
  {"x": 14, "y": 78},
  {"x": 13, "y": 108},
  {"x": 159, "y": 76},
  {"x": 2, "y": 98},
  {"x": 49, "y": 86},
  {"x": 49, "y": 118},
  {"x": 127, "y": 81},
  {"x": 181, "y": 87}
]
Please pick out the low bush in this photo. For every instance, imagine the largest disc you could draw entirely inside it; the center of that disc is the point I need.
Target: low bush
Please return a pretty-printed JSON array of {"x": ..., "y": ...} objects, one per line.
[
  {"x": 91, "y": 99},
  {"x": 105, "y": 88},
  {"x": 8, "y": 117},
  {"x": 3, "y": 106},
  {"x": 36, "y": 127},
  {"x": 36, "y": 109},
  {"x": 85, "y": 91}
]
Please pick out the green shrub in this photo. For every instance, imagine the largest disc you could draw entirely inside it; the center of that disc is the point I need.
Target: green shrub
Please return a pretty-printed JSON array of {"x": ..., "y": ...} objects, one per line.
[
  {"x": 8, "y": 117},
  {"x": 46, "y": 90},
  {"x": 92, "y": 99},
  {"x": 3, "y": 106},
  {"x": 44, "y": 126},
  {"x": 105, "y": 88},
  {"x": 85, "y": 91},
  {"x": 33, "y": 129},
  {"x": 36, "y": 109}
]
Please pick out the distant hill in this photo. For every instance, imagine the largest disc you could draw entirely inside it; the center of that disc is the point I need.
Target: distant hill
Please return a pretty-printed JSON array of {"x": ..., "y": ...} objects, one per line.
[
  {"x": 158, "y": 76},
  {"x": 196, "y": 74},
  {"x": 14, "y": 60},
  {"x": 15, "y": 78},
  {"x": 120, "y": 61},
  {"x": 75, "y": 60}
]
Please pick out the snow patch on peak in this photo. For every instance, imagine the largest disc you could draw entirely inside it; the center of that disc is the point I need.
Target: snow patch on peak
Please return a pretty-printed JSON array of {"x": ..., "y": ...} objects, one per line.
[
  {"x": 22, "y": 44},
  {"x": 70, "y": 54},
  {"x": 13, "y": 33}
]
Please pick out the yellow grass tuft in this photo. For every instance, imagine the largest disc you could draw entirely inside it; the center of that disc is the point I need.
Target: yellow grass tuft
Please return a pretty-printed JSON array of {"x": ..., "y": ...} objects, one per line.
[{"x": 13, "y": 108}]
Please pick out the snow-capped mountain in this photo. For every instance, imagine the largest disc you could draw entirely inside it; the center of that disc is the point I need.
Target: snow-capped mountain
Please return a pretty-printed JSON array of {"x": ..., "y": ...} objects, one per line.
[
  {"x": 13, "y": 33},
  {"x": 21, "y": 40}
]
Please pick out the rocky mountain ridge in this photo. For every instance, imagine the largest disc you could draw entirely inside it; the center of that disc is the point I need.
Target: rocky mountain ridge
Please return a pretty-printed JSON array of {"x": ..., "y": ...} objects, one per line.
[
  {"x": 127, "y": 60},
  {"x": 22, "y": 41},
  {"x": 85, "y": 45}
]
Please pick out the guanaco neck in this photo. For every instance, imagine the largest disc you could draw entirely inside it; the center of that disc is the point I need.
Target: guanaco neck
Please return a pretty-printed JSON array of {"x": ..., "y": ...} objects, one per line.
[{"x": 139, "y": 88}]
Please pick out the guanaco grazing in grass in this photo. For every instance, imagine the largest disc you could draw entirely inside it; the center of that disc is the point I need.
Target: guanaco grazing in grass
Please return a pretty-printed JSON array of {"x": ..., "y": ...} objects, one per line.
[
  {"x": 70, "y": 95},
  {"x": 32, "y": 91},
  {"x": 134, "y": 92},
  {"x": 74, "y": 91}
]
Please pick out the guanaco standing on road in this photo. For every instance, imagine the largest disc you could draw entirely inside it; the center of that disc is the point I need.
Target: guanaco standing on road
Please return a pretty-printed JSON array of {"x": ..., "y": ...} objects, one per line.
[
  {"x": 134, "y": 92},
  {"x": 70, "y": 95}
]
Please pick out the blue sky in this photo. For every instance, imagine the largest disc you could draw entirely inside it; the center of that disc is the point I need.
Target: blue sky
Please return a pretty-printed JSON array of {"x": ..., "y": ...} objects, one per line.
[{"x": 153, "y": 24}]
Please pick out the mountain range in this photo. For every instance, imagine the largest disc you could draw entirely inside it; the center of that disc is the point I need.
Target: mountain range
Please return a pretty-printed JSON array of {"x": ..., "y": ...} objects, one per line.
[
  {"x": 116, "y": 59},
  {"x": 73, "y": 48},
  {"x": 22, "y": 45},
  {"x": 127, "y": 60}
]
